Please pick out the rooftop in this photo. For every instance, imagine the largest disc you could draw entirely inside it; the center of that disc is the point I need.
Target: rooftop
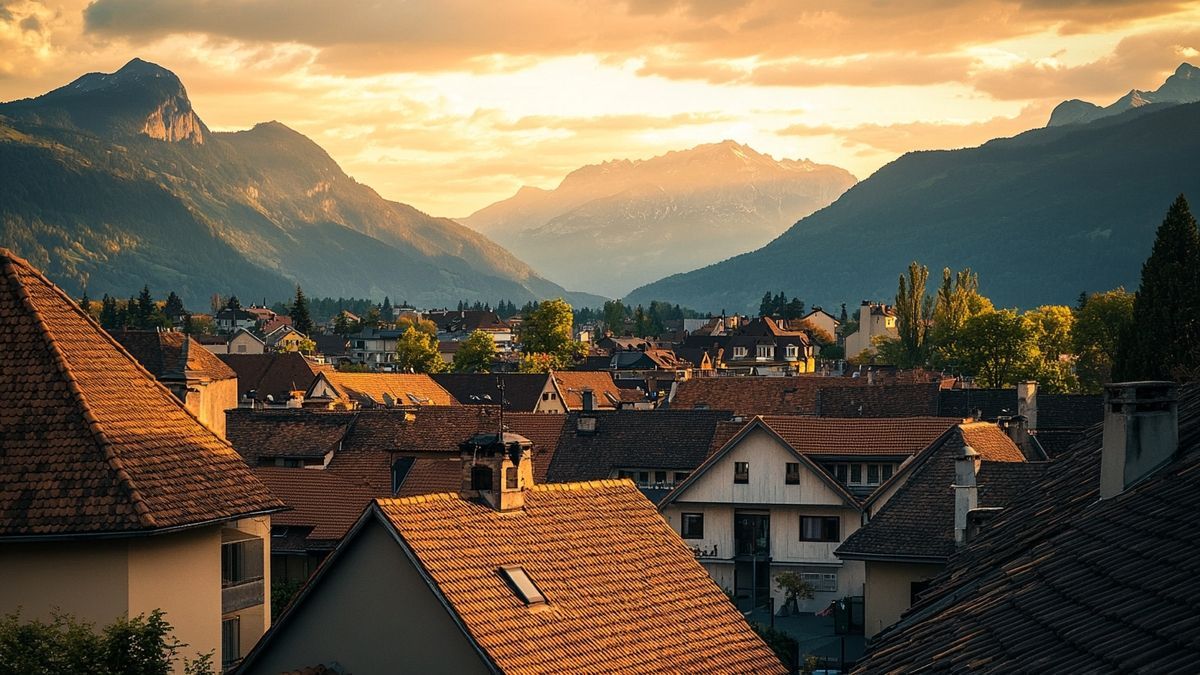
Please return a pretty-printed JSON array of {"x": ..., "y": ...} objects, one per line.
[{"x": 163, "y": 354}]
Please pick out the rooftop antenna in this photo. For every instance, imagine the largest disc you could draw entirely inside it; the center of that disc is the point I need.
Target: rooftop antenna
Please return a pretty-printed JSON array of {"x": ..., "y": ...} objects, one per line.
[{"x": 500, "y": 386}]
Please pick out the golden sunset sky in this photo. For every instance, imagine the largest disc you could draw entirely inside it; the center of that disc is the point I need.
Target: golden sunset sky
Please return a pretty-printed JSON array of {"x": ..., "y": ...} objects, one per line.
[{"x": 449, "y": 105}]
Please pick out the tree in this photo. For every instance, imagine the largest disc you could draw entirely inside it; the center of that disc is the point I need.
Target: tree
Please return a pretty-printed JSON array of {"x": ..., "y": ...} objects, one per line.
[
  {"x": 1161, "y": 341},
  {"x": 614, "y": 316},
  {"x": 475, "y": 354},
  {"x": 301, "y": 321},
  {"x": 794, "y": 309},
  {"x": 1052, "y": 327},
  {"x": 417, "y": 352},
  {"x": 233, "y": 303},
  {"x": 958, "y": 299},
  {"x": 174, "y": 306},
  {"x": 142, "y": 645},
  {"x": 109, "y": 317},
  {"x": 998, "y": 347},
  {"x": 546, "y": 329},
  {"x": 913, "y": 311},
  {"x": 85, "y": 303},
  {"x": 423, "y": 325},
  {"x": 372, "y": 319},
  {"x": 386, "y": 310},
  {"x": 341, "y": 325},
  {"x": 641, "y": 327},
  {"x": 1099, "y": 324}
]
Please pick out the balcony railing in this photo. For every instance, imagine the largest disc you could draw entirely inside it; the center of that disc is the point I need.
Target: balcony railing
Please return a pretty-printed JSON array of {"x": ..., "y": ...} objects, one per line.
[{"x": 242, "y": 595}]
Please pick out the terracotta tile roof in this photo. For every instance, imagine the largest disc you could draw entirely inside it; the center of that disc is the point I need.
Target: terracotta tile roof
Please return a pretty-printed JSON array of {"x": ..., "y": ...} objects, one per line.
[
  {"x": 757, "y": 395},
  {"x": 406, "y": 389},
  {"x": 633, "y": 439},
  {"x": 258, "y": 434},
  {"x": 430, "y": 475},
  {"x": 319, "y": 499},
  {"x": 275, "y": 375},
  {"x": 162, "y": 353},
  {"x": 847, "y": 437},
  {"x": 571, "y": 384},
  {"x": 892, "y": 400},
  {"x": 522, "y": 391},
  {"x": 91, "y": 442},
  {"x": 623, "y": 593},
  {"x": 918, "y": 520},
  {"x": 1062, "y": 581}
]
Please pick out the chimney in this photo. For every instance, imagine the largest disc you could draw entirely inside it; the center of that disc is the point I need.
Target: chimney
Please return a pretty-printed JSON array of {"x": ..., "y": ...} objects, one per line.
[
  {"x": 497, "y": 471},
  {"x": 1141, "y": 432},
  {"x": 871, "y": 376},
  {"x": 966, "y": 493},
  {"x": 1027, "y": 406},
  {"x": 589, "y": 403},
  {"x": 297, "y": 399}
]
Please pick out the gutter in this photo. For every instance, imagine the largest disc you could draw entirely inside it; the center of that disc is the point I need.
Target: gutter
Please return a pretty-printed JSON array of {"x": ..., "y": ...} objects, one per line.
[{"x": 88, "y": 536}]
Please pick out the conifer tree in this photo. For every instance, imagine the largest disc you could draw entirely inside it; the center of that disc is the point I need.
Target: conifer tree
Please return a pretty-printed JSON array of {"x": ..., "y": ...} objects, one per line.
[
  {"x": 174, "y": 306},
  {"x": 144, "y": 312},
  {"x": 109, "y": 318},
  {"x": 385, "y": 310},
  {"x": 1163, "y": 340},
  {"x": 85, "y": 303},
  {"x": 299, "y": 313}
]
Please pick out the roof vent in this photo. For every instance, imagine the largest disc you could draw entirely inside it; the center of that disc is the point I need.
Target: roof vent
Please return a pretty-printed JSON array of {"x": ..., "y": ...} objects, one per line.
[{"x": 522, "y": 585}]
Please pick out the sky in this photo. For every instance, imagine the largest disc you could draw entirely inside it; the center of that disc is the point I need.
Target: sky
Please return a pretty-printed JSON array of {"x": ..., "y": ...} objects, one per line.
[{"x": 450, "y": 105}]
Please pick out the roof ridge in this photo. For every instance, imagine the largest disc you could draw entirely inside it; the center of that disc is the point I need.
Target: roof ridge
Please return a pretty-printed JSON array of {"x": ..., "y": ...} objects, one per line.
[{"x": 10, "y": 262}]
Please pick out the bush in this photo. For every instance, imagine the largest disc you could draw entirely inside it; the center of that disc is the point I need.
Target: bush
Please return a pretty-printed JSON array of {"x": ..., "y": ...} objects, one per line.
[{"x": 784, "y": 645}]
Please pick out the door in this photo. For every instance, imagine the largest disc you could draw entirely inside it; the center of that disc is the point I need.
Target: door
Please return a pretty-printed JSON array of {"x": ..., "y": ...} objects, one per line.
[{"x": 752, "y": 567}]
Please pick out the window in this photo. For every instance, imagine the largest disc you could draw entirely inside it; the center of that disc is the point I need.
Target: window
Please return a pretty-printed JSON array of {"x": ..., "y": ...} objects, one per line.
[
  {"x": 691, "y": 526},
  {"x": 242, "y": 560},
  {"x": 643, "y": 478},
  {"x": 241, "y": 348},
  {"x": 887, "y": 471},
  {"x": 765, "y": 352},
  {"x": 839, "y": 472},
  {"x": 231, "y": 641},
  {"x": 680, "y": 476},
  {"x": 660, "y": 477},
  {"x": 820, "y": 528},
  {"x": 793, "y": 473},
  {"x": 856, "y": 474},
  {"x": 821, "y": 581},
  {"x": 872, "y": 474},
  {"x": 792, "y": 351},
  {"x": 522, "y": 585},
  {"x": 510, "y": 478},
  {"x": 400, "y": 469},
  {"x": 481, "y": 478},
  {"x": 741, "y": 472},
  {"x": 739, "y": 352}
]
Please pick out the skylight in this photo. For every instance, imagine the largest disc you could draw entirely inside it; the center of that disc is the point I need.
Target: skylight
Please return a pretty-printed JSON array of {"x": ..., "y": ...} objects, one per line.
[{"x": 522, "y": 585}]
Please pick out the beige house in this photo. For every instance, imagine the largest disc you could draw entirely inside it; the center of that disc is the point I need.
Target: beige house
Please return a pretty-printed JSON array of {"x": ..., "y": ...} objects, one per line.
[
  {"x": 819, "y": 318},
  {"x": 783, "y": 492},
  {"x": 240, "y": 342},
  {"x": 117, "y": 501},
  {"x": 206, "y": 386},
  {"x": 874, "y": 320},
  {"x": 508, "y": 576}
]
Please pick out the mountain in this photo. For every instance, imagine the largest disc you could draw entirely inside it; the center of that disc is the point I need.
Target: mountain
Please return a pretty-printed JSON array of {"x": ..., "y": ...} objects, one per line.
[
  {"x": 114, "y": 181},
  {"x": 612, "y": 226},
  {"x": 1041, "y": 217},
  {"x": 1181, "y": 87}
]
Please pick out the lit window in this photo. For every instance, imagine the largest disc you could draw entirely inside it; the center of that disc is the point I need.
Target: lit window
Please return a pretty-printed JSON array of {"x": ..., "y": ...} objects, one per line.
[
  {"x": 741, "y": 472},
  {"x": 792, "y": 476},
  {"x": 692, "y": 526},
  {"x": 522, "y": 585},
  {"x": 820, "y": 528}
]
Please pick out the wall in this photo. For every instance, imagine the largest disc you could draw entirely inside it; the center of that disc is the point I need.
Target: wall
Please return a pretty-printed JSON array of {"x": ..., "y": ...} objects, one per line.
[
  {"x": 88, "y": 580},
  {"x": 371, "y": 613},
  {"x": 889, "y": 588},
  {"x": 211, "y": 401},
  {"x": 180, "y": 574},
  {"x": 256, "y": 620},
  {"x": 250, "y": 344},
  {"x": 554, "y": 404}
]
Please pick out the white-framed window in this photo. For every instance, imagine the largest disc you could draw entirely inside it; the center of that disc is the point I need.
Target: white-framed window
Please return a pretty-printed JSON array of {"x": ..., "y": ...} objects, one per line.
[
  {"x": 765, "y": 352},
  {"x": 739, "y": 352},
  {"x": 793, "y": 352}
]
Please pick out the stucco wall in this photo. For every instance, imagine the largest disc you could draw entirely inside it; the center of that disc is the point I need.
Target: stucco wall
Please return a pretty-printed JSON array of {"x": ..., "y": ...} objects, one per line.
[
  {"x": 89, "y": 581},
  {"x": 211, "y": 401},
  {"x": 371, "y": 613},
  {"x": 181, "y": 574},
  {"x": 889, "y": 587}
]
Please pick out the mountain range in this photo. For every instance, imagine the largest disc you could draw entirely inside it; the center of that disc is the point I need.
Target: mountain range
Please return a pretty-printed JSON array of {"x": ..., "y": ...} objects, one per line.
[
  {"x": 1041, "y": 217},
  {"x": 1181, "y": 87},
  {"x": 612, "y": 226},
  {"x": 113, "y": 181}
]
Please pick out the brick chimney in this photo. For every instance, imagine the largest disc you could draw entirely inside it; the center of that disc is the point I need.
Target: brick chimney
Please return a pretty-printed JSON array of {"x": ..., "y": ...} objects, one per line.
[
  {"x": 966, "y": 492},
  {"x": 1141, "y": 432},
  {"x": 1027, "y": 406},
  {"x": 497, "y": 471}
]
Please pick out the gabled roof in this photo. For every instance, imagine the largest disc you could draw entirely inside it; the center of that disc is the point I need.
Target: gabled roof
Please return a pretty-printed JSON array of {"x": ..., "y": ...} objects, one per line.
[
  {"x": 917, "y": 522},
  {"x": 322, "y": 500},
  {"x": 571, "y": 384},
  {"x": 760, "y": 424},
  {"x": 522, "y": 391},
  {"x": 631, "y": 439},
  {"x": 274, "y": 375},
  {"x": 374, "y": 389},
  {"x": 849, "y": 437},
  {"x": 623, "y": 592},
  {"x": 1061, "y": 581},
  {"x": 90, "y": 442},
  {"x": 172, "y": 356},
  {"x": 296, "y": 433},
  {"x": 892, "y": 400}
]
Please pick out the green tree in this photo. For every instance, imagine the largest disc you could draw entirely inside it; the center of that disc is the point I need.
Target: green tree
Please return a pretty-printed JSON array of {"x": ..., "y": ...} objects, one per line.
[
  {"x": 423, "y": 325},
  {"x": 417, "y": 352},
  {"x": 546, "y": 329},
  {"x": 341, "y": 325},
  {"x": 1053, "y": 367},
  {"x": 1099, "y": 324},
  {"x": 475, "y": 354},
  {"x": 143, "y": 312},
  {"x": 386, "y": 310},
  {"x": 641, "y": 326},
  {"x": 301, "y": 321},
  {"x": 998, "y": 347},
  {"x": 614, "y": 316},
  {"x": 142, "y": 645},
  {"x": 373, "y": 318},
  {"x": 1162, "y": 340},
  {"x": 174, "y": 306},
  {"x": 85, "y": 303},
  {"x": 913, "y": 311},
  {"x": 109, "y": 316},
  {"x": 958, "y": 299}
]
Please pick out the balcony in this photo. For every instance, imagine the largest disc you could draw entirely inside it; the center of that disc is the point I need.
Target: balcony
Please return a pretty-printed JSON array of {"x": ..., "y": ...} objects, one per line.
[{"x": 241, "y": 571}]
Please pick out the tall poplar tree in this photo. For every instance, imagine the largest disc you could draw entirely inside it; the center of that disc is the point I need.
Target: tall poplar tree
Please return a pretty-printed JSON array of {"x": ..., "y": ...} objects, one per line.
[
  {"x": 1163, "y": 341},
  {"x": 913, "y": 310}
]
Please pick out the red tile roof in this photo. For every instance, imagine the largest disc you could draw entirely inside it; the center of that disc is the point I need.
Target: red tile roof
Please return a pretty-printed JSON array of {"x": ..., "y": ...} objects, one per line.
[
  {"x": 319, "y": 499},
  {"x": 623, "y": 592},
  {"x": 91, "y": 442},
  {"x": 571, "y": 384},
  {"x": 274, "y": 375},
  {"x": 832, "y": 436},
  {"x": 374, "y": 389},
  {"x": 162, "y": 354}
]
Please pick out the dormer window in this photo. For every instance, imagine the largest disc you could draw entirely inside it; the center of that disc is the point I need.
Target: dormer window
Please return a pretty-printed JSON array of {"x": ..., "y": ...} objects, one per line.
[
  {"x": 521, "y": 585},
  {"x": 766, "y": 352},
  {"x": 793, "y": 352},
  {"x": 739, "y": 352}
]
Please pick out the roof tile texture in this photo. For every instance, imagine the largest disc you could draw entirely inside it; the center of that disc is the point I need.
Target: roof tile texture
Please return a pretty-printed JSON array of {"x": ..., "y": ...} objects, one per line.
[
  {"x": 406, "y": 389},
  {"x": 571, "y": 384},
  {"x": 90, "y": 441},
  {"x": 623, "y": 592}
]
